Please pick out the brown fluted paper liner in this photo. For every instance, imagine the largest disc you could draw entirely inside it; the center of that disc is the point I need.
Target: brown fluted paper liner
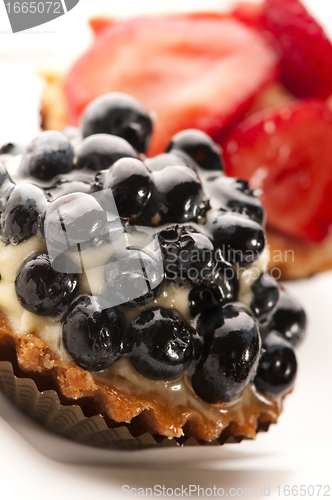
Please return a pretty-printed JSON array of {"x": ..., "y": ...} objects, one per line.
[{"x": 70, "y": 421}]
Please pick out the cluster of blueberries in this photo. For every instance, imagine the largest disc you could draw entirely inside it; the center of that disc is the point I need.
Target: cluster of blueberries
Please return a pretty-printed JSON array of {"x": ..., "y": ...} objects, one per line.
[{"x": 88, "y": 188}]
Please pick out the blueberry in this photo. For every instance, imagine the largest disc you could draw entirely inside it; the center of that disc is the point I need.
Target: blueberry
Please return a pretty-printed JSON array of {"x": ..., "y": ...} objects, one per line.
[
  {"x": 230, "y": 346},
  {"x": 240, "y": 239},
  {"x": 131, "y": 185},
  {"x": 119, "y": 114},
  {"x": 202, "y": 297},
  {"x": 48, "y": 155},
  {"x": 277, "y": 367},
  {"x": 160, "y": 344},
  {"x": 165, "y": 160},
  {"x": 93, "y": 332},
  {"x": 21, "y": 216},
  {"x": 6, "y": 186},
  {"x": 289, "y": 319},
  {"x": 43, "y": 291},
  {"x": 235, "y": 195},
  {"x": 100, "y": 151},
  {"x": 226, "y": 278},
  {"x": 189, "y": 256},
  {"x": 73, "y": 219},
  {"x": 265, "y": 298},
  {"x": 199, "y": 146},
  {"x": 220, "y": 288},
  {"x": 111, "y": 233},
  {"x": 11, "y": 148},
  {"x": 178, "y": 197},
  {"x": 133, "y": 277}
]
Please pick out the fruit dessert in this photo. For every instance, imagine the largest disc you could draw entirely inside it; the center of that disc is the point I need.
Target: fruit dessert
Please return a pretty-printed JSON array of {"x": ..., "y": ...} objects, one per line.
[
  {"x": 139, "y": 284},
  {"x": 257, "y": 79}
]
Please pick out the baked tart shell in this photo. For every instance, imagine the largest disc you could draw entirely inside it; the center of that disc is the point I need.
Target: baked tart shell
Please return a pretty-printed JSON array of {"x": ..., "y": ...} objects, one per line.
[{"x": 73, "y": 403}]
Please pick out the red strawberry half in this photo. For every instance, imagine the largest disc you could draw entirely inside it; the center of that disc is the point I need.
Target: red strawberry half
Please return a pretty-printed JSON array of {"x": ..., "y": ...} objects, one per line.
[
  {"x": 193, "y": 71},
  {"x": 249, "y": 13},
  {"x": 306, "y": 63},
  {"x": 287, "y": 152}
]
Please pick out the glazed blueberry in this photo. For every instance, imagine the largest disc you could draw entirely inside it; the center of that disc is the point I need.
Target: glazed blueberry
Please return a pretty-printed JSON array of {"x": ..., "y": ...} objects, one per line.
[
  {"x": 165, "y": 160},
  {"x": 203, "y": 297},
  {"x": 72, "y": 219},
  {"x": 11, "y": 148},
  {"x": 100, "y": 151},
  {"x": 42, "y": 290},
  {"x": 93, "y": 332},
  {"x": 189, "y": 256},
  {"x": 289, "y": 319},
  {"x": 240, "y": 239},
  {"x": 216, "y": 290},
  {"x": 6, "y": 186},
  {"x": 235, "y": 195},
  {"x": 199, "y": 146},
  {"x": 119, "y": 114},
  {"x": 277, "y": 367},
  {"x": 160, "y": 344},
  {"x": 178, "y": 197},
  {"x": 112, "y": 231},
  {"x": 48, "y": 155},
  {"x": 131, "y": 185},
  {"x": 265, "y": 298},
  {"x": 21, "y": 216},
  {"x": 226, "y": 279},
  {"x": 133, "y": 277},
  {"x": 230, "y": 346}
]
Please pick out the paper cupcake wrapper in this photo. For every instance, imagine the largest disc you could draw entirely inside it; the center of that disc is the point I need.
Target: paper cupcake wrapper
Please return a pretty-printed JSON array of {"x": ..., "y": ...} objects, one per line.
[{"x": 70, "y": 421}]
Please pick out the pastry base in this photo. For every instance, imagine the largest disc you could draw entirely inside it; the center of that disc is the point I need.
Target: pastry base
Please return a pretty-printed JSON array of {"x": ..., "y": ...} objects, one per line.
[
  {"x": 53, "y": 108},
  {"x": 119, "y": 406},
  {"x": 297, "y": 259}
]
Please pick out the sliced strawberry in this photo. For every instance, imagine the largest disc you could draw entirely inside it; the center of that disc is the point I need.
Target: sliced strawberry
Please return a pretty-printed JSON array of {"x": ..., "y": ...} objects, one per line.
[
  {"x": 306, "y": 63},
  {"x": 249, "y": 13},
  {"x": 98, "y": 24},
  {"x": 287, "y": 152},
  {"x": 193, "y": 71},
  {"x": 306, "y": 68}
]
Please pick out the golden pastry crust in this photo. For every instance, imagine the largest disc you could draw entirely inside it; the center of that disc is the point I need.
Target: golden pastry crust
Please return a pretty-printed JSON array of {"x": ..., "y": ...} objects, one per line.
[
  {"x": 53, "y": 109},
  {"x": 297, "y": 259},
  {"x": 118, "y": 402}
]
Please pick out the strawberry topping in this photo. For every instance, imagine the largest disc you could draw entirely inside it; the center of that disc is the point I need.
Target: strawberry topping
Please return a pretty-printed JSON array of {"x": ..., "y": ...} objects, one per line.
[
  {"x": 193, "y": 71},
  {"x": 306, "y": 62},
  {"x": 287, "y": 152}
]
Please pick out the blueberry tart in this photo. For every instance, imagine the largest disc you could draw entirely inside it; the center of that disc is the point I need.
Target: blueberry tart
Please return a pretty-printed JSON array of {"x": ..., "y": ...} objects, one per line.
[{"x": 138, "y": 288}]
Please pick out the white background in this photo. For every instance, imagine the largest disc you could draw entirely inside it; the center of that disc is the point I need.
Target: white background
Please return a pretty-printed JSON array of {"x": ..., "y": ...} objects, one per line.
[{"x": 298, "y": 450}]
